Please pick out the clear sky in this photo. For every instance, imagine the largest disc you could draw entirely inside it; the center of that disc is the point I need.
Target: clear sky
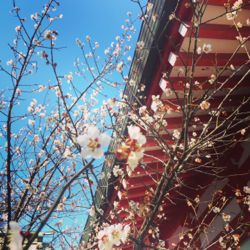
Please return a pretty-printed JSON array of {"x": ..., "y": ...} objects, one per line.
[{"x": 101, "y": 19}]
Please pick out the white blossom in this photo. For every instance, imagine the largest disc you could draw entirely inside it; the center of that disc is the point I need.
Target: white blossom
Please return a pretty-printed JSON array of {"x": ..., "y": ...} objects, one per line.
[
  {"x": 135, "y": 134},
  {"x": 10, "y": 62},
  {"x": 149, "y": 6},
  {"x": 212, "y": 79},
  {"x": 216, "y": 210},
  {"x": 226, "y": 217},
  {"x": 156, "y": 103},
  {"x": 50, "y": 35},
  {"x": 92, "y": 143},
  {"x": 31, "y": 122},
  {"x": 117, "y": 171},
  {"x": 176, "y": 134},
  {"x": 132, "y": 149},
  {"x": 207, "y": 48},
  {"x": 246, "y": 189},
  {"x": 204, "y": 105},
  {"x": 15, "y": 236},
  {"x": 140, "y": 45},
  {"x": 18, "y": 28},
  {"x": 133, "y": 160},
  {"x": 92, "y": 211},
  {"x": 119, "y": 67},
  {"x": 113, "y": 235},
  {"x": 88, "y": 38},
  {"x": 69, "y": 77},
  {"x": 231, "y": 15}
]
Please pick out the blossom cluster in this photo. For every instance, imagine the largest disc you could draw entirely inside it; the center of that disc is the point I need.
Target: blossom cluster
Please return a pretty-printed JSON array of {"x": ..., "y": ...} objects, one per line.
[
  {"x": 15, "y": 239},
  {"x": 206, "y": 48},
  {"x": 92, "y": 142},
  {"x": 232, "y": 14},
  {"x": 113, "y": 235},
  {"x": 131, "y": 150}
]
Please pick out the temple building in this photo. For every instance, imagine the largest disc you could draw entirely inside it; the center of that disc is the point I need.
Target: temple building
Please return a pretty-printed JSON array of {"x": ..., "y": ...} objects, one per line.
[{"x": 195, "y": 67}]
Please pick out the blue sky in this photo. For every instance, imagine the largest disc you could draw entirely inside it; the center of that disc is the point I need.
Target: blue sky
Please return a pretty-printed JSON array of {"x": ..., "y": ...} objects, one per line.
[{"x": 101, "y": 19}]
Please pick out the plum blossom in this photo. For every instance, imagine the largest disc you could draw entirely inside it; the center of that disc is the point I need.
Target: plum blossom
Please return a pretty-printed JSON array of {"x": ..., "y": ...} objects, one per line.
[
  {"x": 10, "y": 62},
  {"x": 133, "y": 160},
  {"x": 119, "y": 67},
  {"x": 113, "y": 235},
  {"x": 226, "y": 217},
  {"x": 140, "y": 45},
  {"x": 216, "y": 210},
  {"x": 117, "y": 171},
  {"x": 135, "y": 134},
  {"x": 239, "y": 25},
  {"x": 41, "y": 88},
  {"x": 18, "y": 28},
  {"x": 31, "y": 122},
  {"x": 156, "y": 103},
  {"x": 104, "y": 243},
  {"x": 207, "y": 48},
  {"x": 129, "y": 58},
  {"x": 131, "y": 150},
  {"x": 119, "y": 233},
  {"x": 42, "y": 115},
  {"x": 69, "y": 77},
  {"x": 212, "y": 79},
  {"x": 171, "y": 16},
  {"x": 97, "y": 45},
  {"x": 60, "y": 207},
  {"x": 15, "y": 236},
  {"x": 246, "y": 189},
  {"x": 149, "y": 7},
  {"x": 106, "y": 51},
  {"x": 92, "y": 142},
  {"x": 204, "y": 105},
  {"x": 232, "y": 14},
  {"x": 198, "y": 50},
  {"x": 117, "y": 50},
  {"x": 176, "y": 134},
  {"x": 50, "y": 35},
  {"x": 88, "y": 38},
  {"x": 92, "y": 211},
  {"x": 163, "y": 85},
  {"x": 237, "y": 4}
]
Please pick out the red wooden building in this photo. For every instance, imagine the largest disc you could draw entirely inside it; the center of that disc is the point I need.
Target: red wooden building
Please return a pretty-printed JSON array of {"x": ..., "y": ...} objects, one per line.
[{"x": 200, "y": 209}]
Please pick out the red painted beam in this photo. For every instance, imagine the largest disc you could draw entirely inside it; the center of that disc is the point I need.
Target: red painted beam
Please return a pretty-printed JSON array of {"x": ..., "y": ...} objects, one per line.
[
  {"x": 211, "y": 59},
  {"x": 231, "y": 101},
  {"x": 179, "y": 83},
  {"x": 218, "y": 31}
]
